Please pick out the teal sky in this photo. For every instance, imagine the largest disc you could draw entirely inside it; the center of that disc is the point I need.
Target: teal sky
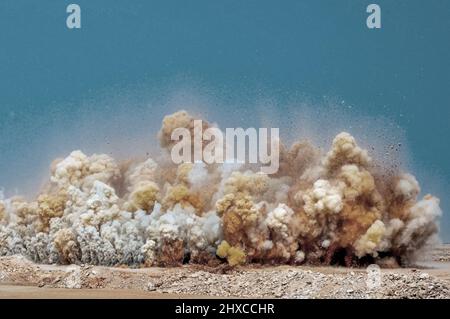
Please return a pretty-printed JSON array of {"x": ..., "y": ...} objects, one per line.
[{"x": 105, "y": 87}]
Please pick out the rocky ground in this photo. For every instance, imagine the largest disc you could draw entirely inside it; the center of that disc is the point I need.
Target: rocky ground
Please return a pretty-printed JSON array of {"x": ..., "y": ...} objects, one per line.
[
  {"x": 441, "y": 253},
  {"x": 22, "y": 278}
]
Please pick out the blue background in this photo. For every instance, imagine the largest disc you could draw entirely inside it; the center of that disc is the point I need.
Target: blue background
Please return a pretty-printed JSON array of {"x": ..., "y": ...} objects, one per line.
[{"x": 105, "y": 87}]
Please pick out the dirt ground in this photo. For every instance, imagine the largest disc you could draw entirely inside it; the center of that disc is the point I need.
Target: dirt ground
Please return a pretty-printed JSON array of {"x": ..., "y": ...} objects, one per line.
[{"x": 20, "y": 278}]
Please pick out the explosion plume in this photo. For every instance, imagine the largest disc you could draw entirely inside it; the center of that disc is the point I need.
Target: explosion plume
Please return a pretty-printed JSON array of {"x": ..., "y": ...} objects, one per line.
[{"x": 337, "y": 207}]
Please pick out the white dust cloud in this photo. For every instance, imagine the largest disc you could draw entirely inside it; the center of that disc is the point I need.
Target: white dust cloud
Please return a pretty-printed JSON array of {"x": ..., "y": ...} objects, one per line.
[{"x": 338, "y": 206}]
